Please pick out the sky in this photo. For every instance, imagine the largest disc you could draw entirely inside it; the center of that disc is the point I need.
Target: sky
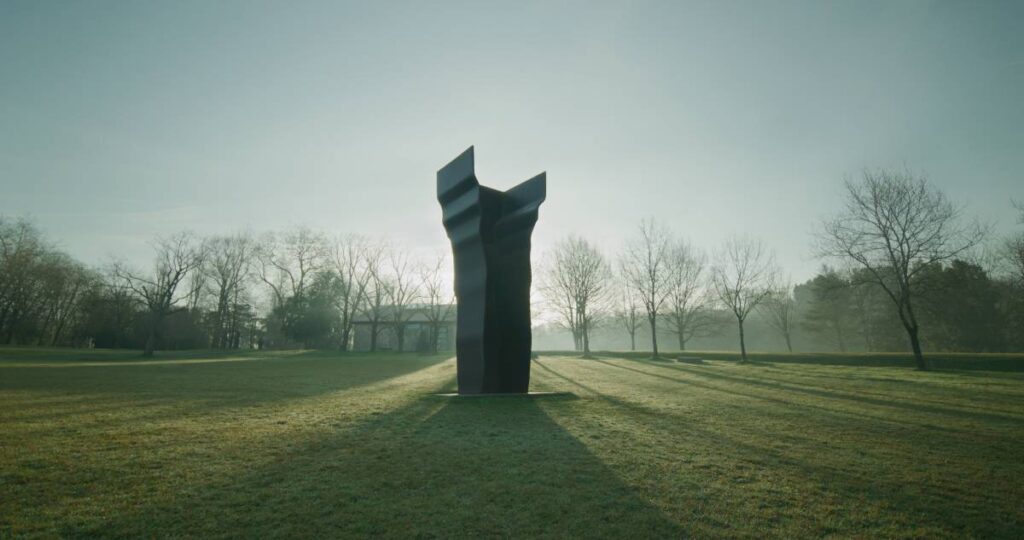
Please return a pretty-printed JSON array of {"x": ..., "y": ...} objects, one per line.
[{"x": 121, "y": 121}]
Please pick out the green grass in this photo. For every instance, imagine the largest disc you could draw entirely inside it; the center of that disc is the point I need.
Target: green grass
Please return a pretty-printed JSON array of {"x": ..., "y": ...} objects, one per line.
[{"x": 321, "y": 444}]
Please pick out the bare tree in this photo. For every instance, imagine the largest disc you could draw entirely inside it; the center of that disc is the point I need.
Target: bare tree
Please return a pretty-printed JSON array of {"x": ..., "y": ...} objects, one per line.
[
  {"x": 628, "y": 314},
  {"x": 176, "y": 258},
  {"x": 63, "y": 281},
  {"x": 402, "y": 291},
  {"x": 744, "y": 276},
  {"x": 22, "y": 250},
  {"x": 372, "y": 306},
  {"x": 227, "y": 268},
  {"x": 577, "y": 283},
  {"x": 779, "y": 309},
  {"x": 440, "y": 302},
  {"x": 688, "y": 312},
  {"x": 645, "y": 269},
  {"x": 348, "y": 256},
  {"x": 1013, "y": 249},
  {"x": 287, "y": 263},
  {"x": 895, "y": 226}
]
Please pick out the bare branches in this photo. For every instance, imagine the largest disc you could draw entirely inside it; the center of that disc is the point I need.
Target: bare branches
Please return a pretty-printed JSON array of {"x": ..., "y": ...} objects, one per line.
[
  {"x": 644, "y": 268},
  {"x": 437, "y": 296},
  {"x": 745, "y": 274},
  {"x": 779, "y": 309},
  {"x": 402, "y": 291},
  {"x": 688, "y": 306},
  {"x": 1013, "y": 249},
  {"x": 347, "y": 258},
  {"x": 894, "y": 225},
  {"x": 228, "y": 266},
  {"x": 628, "y": 314},
  {"x": 577, "y": 283},
  {"x": 287, "y": 262},
  {"x": 177, "y": 257}
]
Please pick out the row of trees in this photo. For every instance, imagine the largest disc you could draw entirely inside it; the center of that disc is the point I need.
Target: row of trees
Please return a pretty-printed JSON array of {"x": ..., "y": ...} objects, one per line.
[
  {"x": 909, "y": 257},
  {"x": 210, "y": 292},
  {"x": 904, "y": 271},
  {"x": 319, "y": 288},
  {"x": 660, "y": 281}
]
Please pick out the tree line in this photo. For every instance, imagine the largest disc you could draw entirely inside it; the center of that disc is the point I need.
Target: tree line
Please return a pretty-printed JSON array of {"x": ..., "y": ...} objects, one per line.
[
  {"x": 207, "y": 292},
  {"x": 904, "y": 271}
]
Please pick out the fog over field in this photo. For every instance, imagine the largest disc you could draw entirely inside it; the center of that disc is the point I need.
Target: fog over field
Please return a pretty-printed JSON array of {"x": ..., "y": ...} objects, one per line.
[{"x": 121, "y": 122}]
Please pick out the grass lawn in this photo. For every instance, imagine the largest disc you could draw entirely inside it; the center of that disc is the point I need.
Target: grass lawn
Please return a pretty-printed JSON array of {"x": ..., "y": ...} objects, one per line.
[{"x": 321, "y": 444}]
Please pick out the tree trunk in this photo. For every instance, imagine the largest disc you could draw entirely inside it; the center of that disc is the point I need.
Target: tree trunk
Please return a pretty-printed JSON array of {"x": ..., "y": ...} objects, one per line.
[
  {"x": 915, "y": 345},
  {"x": 632, "y": 341},
  {"x": 586, "y": 342},
  {"x": 345, "y": 333},
  {"x": 789, "y": 342},
  {"x": 654, "y": 334},
  {"x": 150, "y": 342},
  {"x": 743, "y": 343},
  {"x": 682, "y": 341},
  {"x": 373, "y": 336}
]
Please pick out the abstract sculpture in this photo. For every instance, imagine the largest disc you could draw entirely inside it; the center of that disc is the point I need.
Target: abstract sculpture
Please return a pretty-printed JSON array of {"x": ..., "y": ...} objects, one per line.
[{"x": 490, "y": 234}]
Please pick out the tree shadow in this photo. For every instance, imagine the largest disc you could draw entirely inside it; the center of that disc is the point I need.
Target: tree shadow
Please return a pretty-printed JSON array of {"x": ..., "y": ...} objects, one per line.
[
  {"x": 829, "y": 394},
  {"x": 198, "y": 387},
  {"x": 787, "y": 460},
  {"x": 1002, "y": 362},
  {"x": 433, "y": 468}
]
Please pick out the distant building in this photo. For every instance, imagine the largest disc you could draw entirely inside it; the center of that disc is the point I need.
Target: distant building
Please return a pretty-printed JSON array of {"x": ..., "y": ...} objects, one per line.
[{"x": 416, "y": 334}]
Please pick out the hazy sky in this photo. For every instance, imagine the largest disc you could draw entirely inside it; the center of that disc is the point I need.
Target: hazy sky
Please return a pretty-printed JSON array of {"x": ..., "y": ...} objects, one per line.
[{"x": 121, "y": 121}]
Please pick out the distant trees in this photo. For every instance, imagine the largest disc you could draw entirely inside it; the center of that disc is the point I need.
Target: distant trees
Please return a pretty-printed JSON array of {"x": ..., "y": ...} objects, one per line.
[
  {"x": 779, "y": 310},
  {"x": 905, "y": 273},
  {"x": 960, "y": 306},
  {"x": 894, "y": 225},
  {"x": 348, "y": 256},
  {"x": 689, "y": 305},
  {"x": 439, "y": 301},
  {"x": 42, "y": 290},
  {"x": 744, "y": 276},
  {"x": 311, "y": 318},
  {"x": 628, "y": 314},
  {"x": 22, "y": 256},
  {"x": 1013, "y": 250},
  {"x": 402, "y": 291},
  {"x": 287, "y": 262},
  {"x": 228, "y": 268},
  {"x": 1013, "y": 303},
  {"x": 644, "y": 265},
  {"x": 373, "y": 305},
  {"x": 177, "y": 257},
  {"x": 578, "y": 283},
  {"x": 109, "y": 314},
  {"x": 831, "y": 307}
]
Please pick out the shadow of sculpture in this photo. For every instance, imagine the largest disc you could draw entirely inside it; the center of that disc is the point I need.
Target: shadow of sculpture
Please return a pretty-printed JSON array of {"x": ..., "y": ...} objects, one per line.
[{"x": 519, "y": 474}]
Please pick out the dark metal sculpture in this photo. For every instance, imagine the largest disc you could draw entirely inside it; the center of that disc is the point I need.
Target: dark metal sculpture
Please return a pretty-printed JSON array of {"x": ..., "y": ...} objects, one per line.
[{"x": 490, "y": 233}]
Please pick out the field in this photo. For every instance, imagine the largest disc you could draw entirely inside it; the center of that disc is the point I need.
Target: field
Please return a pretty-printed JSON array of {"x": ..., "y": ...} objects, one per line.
[{"x": 324, "y": 444}]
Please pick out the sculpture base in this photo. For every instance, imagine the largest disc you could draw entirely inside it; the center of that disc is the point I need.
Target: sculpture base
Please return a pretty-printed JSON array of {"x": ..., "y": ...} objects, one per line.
[{"x": 531, "y": 395}]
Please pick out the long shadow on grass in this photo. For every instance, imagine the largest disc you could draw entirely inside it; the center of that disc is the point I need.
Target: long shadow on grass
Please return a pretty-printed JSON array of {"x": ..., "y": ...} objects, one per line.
[
  {"x": 202, "y": 387},
  {"x": 437, "y": 467},
  {"x": 708, "y": 374},
  {"x": 938, "y": 361},
  {"x": 941, "y": 502}
]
